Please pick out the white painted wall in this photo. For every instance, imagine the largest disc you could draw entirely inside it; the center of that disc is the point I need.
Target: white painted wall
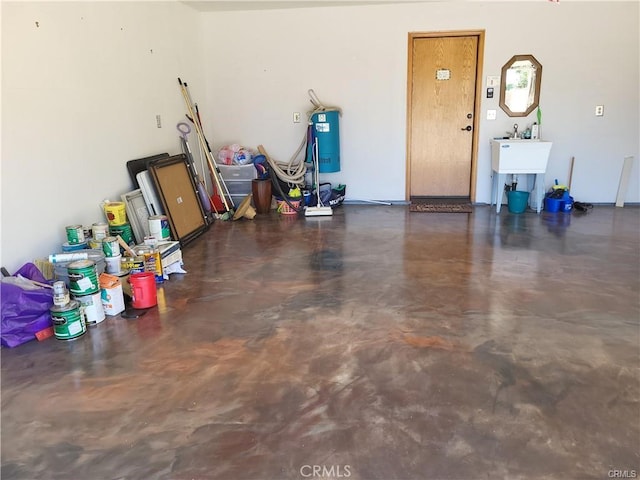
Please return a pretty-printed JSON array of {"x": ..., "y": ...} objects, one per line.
[
  {"x": 260, "y": 64},
  {"x": 80, "y": 93}
]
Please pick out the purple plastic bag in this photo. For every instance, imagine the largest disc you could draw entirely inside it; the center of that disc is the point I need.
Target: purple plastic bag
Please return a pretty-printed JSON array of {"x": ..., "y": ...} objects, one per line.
[{"x": 24, "y": 312}]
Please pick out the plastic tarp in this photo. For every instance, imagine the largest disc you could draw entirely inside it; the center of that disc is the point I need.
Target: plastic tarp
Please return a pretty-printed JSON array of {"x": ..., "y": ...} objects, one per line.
[{"x": 25, "y": 306}]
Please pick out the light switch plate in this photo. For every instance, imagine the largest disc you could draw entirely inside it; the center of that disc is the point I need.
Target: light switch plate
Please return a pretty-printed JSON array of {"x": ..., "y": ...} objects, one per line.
[
  {"x": 491, "y": 114},
  {"x": 493, "y": 81}
]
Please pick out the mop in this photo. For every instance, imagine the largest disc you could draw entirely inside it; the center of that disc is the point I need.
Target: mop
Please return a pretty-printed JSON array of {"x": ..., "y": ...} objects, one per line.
[{"x": 319, "y": 210}]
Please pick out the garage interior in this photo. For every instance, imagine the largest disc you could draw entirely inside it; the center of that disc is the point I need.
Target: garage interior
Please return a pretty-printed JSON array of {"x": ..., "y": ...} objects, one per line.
[{"x": 376, "y": 343}]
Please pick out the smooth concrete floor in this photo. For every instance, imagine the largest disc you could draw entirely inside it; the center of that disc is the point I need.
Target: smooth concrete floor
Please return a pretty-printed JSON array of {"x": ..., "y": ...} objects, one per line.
[{"x": 375, "y": 344}]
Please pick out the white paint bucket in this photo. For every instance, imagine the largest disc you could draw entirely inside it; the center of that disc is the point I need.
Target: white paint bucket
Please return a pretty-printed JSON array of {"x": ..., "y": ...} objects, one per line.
[
  {"x": 100, "y": 230},
  {"x": 93, "y": 310},
  {"x": 112, "y": 295},
  {"x": 159, "y": 227},
  {"x": 113, "y": 265}
]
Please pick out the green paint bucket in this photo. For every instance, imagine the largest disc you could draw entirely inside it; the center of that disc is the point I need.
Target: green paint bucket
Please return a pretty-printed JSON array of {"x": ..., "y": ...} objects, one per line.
[
  {"x": 111, "y": 247},
  {"x": 517, "y": 201},
  {"x": 124, "y": 231},
  {"x": 68, "y": 322},
  {"x": 83, "y": 277},
  {"x": 75, "y": 234}
]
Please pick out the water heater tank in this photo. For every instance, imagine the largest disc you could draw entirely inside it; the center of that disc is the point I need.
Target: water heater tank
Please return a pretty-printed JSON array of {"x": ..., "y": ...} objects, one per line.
[{"x": 326, "y": 128}]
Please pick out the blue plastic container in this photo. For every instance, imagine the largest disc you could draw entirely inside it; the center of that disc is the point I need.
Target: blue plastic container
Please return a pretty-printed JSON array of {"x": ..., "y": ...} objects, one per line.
[
  {"x": 552, "y": 204},
  {"x": 326, "y": 128},
  {"x": 517, "y": 201},
  {"x": 567, "y": 204}
]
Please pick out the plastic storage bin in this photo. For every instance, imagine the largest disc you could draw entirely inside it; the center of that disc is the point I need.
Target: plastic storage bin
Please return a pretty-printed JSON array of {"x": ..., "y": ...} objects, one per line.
[{"x": 238, "y": 180}]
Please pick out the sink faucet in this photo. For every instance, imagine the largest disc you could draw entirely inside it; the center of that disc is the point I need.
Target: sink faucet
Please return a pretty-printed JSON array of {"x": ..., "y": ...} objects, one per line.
[{"x": 515, "y": 130}]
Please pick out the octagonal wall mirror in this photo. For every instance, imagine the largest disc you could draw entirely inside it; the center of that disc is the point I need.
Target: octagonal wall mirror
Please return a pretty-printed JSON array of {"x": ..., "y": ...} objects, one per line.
[{"x": 520, "y": 85}]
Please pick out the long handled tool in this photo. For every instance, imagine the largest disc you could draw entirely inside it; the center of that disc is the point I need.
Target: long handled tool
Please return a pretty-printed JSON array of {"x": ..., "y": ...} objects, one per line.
[
  {"x": 213, "y": 170},
  {"x": 205, "y": 201},
  {"x": 320, "y": 210},
  {"x": 207, "y": 151}
]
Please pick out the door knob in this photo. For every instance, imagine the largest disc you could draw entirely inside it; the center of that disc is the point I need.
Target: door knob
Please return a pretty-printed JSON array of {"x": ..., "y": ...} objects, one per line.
[{"x": 467, "y": 128}]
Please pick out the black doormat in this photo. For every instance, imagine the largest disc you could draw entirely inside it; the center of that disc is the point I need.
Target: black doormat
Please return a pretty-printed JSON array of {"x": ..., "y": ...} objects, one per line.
[{"x": 440, "y": 207}]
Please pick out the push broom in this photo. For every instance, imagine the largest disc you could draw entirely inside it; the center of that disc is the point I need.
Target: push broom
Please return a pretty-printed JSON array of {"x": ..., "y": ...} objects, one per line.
[{"x": 319, "y": 210}]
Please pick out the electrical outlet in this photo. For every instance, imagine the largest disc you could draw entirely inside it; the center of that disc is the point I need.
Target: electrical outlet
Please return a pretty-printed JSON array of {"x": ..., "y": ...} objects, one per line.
[
  {"x": 599, "y": 110},
  {"x": 491, "y": 114},
  {"x": 296, "y": 117},
  {"x": 158, "y": 121}
]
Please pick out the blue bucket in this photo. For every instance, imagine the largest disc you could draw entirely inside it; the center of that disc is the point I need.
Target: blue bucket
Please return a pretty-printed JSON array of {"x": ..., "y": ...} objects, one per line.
[
  {"x": 567, "y": 204},
  {"x": 517, "y": 201},
  {"x": 552, "y": 204}
]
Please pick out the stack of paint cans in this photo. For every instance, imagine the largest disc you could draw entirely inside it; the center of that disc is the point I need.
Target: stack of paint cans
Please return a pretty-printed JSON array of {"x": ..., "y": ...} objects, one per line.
[
  {"x": 76, "y": 239},
  {"x": 60, "y": 262},
  {"x": 99, "y": 231},
  {"x": 66, "y": 315},
  {"x": 118, "y": 225},
  {"x": 113, "y": 256},
  {"x": 85, "y": 288}
]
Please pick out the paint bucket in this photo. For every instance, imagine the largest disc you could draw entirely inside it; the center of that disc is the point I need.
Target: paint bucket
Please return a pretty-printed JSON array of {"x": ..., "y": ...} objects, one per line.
[
  {"x": 99, "y": 230},
  {"x": 133, "y": 264},
  {"x": 73, "y": 247},
  {"x": 111, "y": 247},
  {"x": 92, "y": 307},
  {"x": 75, "y": 234},
  {"x": 159, "y": 227},
  {"x": 567, "y": 204},
  {"x": 111, "y": 294},
  {"x": 60, "y": 265},
  {"x": 124, "y": 231},
  {"x": 517, "y": 201},
  {"x": 94, "y": 244},
  {"x": 68, "y": 322},
  {"x": 116, "y": 213},
  {"x": 143, "y": 290},
  {"x": 114, "y": 265},
  {"x": 153, "y": 264},
  {"x": 83, "y": 277},
  {"x": 552, "y": 204}
]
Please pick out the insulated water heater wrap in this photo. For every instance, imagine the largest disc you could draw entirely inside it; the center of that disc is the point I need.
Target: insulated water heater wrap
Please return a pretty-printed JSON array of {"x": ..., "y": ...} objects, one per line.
[{"x": 326, "y": 128}]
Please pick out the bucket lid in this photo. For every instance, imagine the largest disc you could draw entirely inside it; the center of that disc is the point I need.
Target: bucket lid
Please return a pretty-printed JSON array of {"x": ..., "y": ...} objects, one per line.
[{"x": 81, "y": 264}]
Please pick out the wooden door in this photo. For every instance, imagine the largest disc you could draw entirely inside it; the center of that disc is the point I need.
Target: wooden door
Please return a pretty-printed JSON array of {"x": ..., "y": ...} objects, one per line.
[{"x": 442, "y": 105}]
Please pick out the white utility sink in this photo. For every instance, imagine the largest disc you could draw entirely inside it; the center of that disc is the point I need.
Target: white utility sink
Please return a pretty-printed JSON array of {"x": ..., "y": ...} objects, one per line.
[
  {"x": 519, "y": 156},
  {"x": 511, "y": 156}
]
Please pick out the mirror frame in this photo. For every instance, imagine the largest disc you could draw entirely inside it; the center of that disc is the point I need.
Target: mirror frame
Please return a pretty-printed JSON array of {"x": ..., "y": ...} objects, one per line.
[{"x": 503, "y": 78}]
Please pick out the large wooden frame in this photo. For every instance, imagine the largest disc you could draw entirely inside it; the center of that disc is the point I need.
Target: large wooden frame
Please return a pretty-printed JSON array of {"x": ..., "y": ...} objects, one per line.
[{"x": 179, "y": 196}]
